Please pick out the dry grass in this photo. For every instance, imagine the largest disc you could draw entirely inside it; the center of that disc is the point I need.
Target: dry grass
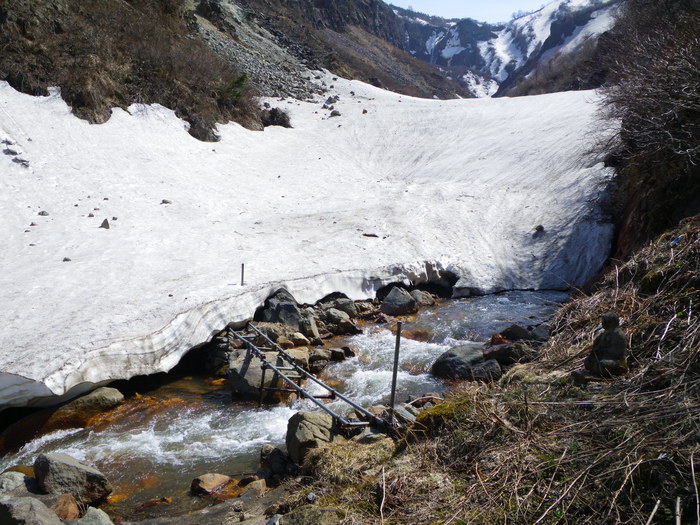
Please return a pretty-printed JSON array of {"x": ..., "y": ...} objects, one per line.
[{"x": 538, "y": 449}]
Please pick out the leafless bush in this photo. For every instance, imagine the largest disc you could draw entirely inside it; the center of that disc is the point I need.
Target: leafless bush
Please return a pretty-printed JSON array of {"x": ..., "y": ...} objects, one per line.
[{"x": 654, "y": 87}]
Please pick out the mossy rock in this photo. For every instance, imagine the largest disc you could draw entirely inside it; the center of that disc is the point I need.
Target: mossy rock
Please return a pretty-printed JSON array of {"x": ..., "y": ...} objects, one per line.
[{"x": 435, "y": 417}]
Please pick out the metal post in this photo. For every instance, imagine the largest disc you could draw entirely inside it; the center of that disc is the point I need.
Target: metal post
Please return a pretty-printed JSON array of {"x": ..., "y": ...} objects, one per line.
[
  {"x": 396, "y": 365},
  {"x": 262, "y": 385},
  {"x": 242, "y": 273}
]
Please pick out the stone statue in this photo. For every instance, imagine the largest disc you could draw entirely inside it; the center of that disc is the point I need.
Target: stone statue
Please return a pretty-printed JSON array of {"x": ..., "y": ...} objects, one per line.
[{"x": 607, "y": 356}]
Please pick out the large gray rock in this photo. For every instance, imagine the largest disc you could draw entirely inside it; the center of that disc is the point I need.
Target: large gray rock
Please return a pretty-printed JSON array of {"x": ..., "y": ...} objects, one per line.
[
  {"x": 281, "y": 307},
  {"x": 466, "y": 362},
  {"x": 60, "y": 474},
  {"x": 309, "y": 327},
  {"x": 245, "y": 375},
  {"x": 335, "y": 316},
  {"x": 97, "y": 401},
  {"x": 308, "y": 430},
  {"x": 26, "y": 511},
  {"x": 94, "y": 516},
  {"x": 339, "y": 322},
  {"x": 399, "y": 302},
  {"x": 344, "y": 305}
]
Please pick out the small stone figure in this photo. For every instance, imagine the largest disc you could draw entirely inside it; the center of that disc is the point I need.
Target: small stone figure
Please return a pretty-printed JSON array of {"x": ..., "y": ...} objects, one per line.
[{"x": 607, "y": 356}]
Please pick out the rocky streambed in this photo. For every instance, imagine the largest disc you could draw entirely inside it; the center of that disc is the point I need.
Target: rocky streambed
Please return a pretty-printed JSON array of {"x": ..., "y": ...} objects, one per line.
[{"x": 158, "y": 440}]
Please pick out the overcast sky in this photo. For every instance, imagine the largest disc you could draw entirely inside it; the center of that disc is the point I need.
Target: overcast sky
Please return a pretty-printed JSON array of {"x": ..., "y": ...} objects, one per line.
[{"x": 489, "y": 11}]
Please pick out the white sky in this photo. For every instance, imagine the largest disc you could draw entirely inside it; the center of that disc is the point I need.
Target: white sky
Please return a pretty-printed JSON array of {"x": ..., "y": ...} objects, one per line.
[{"x": 494, "y": 11}]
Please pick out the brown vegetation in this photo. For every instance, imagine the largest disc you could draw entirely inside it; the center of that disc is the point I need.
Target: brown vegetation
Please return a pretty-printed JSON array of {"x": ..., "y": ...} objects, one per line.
[
  {"x": 538, "y": 448},
  {"x": 653, "y": 97},
  {"x": 105, "y": 54}
]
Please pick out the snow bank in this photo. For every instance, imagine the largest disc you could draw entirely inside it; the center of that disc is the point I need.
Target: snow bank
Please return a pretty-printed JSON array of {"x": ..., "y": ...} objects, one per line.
[{"x": 444, "y": 185}]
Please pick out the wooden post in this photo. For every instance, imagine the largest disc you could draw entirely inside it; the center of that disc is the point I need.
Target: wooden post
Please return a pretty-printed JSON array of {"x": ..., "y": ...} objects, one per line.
[
  {"x": 242, "y": 273},
  {"x": 396, "y": 365}
]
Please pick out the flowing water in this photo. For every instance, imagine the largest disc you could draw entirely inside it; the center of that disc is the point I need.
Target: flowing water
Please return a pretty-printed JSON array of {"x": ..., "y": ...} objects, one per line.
[{"x": 154, "y": 445}]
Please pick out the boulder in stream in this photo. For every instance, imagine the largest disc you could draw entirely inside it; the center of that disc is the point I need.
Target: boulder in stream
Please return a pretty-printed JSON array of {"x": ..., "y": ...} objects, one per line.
[
  {"x": 466, "y": 362},
  {"x": 399, "y": 302},
  {"x": 208, "y": 484},
  {"x": 61, "y": 474},
  {"x": 245, "y": 372},
  {"x": 10, "y": 481},
  {"x": 517, "y": 333}
]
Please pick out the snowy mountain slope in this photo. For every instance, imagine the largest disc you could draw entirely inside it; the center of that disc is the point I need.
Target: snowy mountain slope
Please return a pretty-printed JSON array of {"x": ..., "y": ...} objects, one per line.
[
  {"x": 500, "y": 52},
  {"x": 445, "y": 185}
]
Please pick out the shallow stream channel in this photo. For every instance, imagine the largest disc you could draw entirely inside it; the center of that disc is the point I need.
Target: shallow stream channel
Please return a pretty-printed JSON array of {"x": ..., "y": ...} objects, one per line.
[{"x": 152, "y": 446}]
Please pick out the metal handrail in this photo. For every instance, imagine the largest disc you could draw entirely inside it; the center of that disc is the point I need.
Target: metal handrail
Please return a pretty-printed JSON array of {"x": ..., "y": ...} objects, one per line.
[{"x": 307, "y": 375}]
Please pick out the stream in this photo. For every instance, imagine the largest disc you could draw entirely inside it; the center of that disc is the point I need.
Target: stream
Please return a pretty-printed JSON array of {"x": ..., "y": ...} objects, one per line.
[{"x": 155, "y": 444}]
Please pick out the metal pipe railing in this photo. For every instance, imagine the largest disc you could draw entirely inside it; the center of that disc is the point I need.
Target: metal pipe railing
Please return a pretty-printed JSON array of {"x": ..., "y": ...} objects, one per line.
[{"x": 316, "y": 380}]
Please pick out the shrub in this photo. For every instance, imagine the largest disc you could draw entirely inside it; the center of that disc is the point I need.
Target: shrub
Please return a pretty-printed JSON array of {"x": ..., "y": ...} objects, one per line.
[{"x": 654, "y": 87}]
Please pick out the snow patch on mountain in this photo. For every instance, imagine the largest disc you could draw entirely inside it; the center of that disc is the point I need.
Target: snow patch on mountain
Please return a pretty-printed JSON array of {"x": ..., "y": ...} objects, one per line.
[
  {"x": 502, "y": 50},
  {"x": 480, "y": 85}
]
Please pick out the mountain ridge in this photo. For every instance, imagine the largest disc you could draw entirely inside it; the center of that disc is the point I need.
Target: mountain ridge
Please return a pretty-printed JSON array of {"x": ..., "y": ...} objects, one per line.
[{"x": 506, "y": 53}]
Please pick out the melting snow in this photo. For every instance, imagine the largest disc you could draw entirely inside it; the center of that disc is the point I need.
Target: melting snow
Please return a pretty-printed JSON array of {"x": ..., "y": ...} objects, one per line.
[{"x": 456, "y": 185}]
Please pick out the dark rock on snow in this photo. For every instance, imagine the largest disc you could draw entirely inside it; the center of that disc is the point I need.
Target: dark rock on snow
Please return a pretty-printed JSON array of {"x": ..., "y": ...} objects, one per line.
[{"x": 281, "y": 307}]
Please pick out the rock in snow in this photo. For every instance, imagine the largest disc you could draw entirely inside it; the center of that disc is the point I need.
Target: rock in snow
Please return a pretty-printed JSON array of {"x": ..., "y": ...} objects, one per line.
[{"x": 454, "y": 186}]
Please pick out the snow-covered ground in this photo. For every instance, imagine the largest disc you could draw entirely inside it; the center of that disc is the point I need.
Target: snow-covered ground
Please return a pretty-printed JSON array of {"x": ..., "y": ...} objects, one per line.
[{"x": 444, "y": 185}]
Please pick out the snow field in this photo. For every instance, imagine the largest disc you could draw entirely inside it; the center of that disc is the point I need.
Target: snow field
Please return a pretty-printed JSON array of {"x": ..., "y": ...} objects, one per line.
[{"x": 444, "y": 185}]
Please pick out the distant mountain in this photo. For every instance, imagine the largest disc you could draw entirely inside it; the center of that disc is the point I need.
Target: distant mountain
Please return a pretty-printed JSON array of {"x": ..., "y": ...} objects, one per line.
[
  {"x": 493, "y": 58},
  {"x": 207, "y": 58}
]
